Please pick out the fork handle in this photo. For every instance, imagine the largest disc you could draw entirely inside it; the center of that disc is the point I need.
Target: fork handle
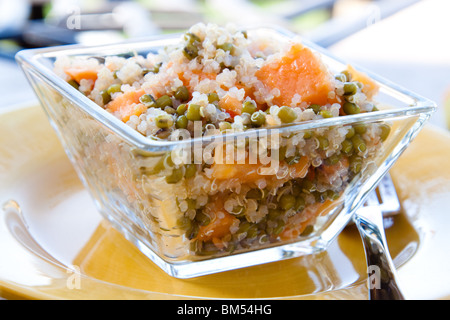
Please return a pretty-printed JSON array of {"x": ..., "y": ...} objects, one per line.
[{"x": 382, "y": 275}]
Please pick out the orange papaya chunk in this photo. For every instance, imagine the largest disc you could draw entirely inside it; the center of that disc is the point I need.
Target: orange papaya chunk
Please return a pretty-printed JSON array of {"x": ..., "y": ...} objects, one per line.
[
  {"x": 370, "y": 88},
  {"x": 221, "y": 222},
  {"x": 79, "y": 73},
  {"x": 126, "y": 105},
  {"x": 301, "y": 72},
  {"x": 298, "y": 223},
  {"x": 231, "y": 105}
]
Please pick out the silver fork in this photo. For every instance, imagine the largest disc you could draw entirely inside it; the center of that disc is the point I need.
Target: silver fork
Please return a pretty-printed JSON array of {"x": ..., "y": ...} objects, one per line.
[{"x": 382, "y": 274}]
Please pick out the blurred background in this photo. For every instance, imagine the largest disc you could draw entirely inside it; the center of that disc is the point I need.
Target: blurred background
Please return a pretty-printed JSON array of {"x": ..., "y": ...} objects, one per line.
[{"x": 405, "y": 41}]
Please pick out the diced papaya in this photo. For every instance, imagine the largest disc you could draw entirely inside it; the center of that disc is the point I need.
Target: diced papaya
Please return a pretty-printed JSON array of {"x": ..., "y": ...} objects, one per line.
[
  {"x": 135, "y": 110},
  {"x": 311, "y": 175},
  {"x": 245, "y": 172},
  {"x": 201, "y": 76},
  {"x": 220, "y": 224},
  {"x": 298, "y": 223},
  {"x": 249, "y": 92},
  {"x": 79, "y": 73},
  {"x": 231, "y": 105},
  {"x": 370, "y": 87},
  {"x": 300, "y": 72},
  {"x": 126, "y": 105},
  {"x": 325, "y": 207},
  {"x": 300, "y": 169}
]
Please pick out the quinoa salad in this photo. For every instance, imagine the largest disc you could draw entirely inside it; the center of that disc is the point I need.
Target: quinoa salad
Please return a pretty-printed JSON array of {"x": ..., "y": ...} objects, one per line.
[{"x": 219, "y": 81}]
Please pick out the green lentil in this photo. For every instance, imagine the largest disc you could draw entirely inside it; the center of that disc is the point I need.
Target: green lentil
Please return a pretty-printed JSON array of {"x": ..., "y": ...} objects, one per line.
[
  {"x": 106, "y": 97},
  {"x": 244, "y": 226},
  {"x": 332, "y": 195},
  {"x": 358, "y": 143},
  {"x": 350, "y": 88},
  {"x": 239, "y": 211},
  {"x": 287, "y": 115},
  {"x": 182, "y": 93},
  {"x": 114, "y": 88},
  {"x": 347, "y": 146},
  {"x": 181, "y": 122},
  {"x": 74, "y": 84},
  {"x": 148, "y": 100},
  {"x": 308, "y": 230},
  {"x": 333, "y": 159},
  {"x": 170, "y": 110},
  {"x": 350, "y": 133},
  {"x": 231, "y": 247},
  {"x": 181, "y": 109},
  {"x": 323, "y": 143},
  {"x": 348, "y": 76},
  {"x": 213, "y": 97},
  {"x": 255, "y": 194},
  {"x": 351, "y": 108},
  {"x": 274, "y": 213},
  {"x": 227, "y": 47},
  {"x": 192, "y": 204},
  {"x": 175, "y": 176},
  {"x": 203, "y": 219},
  {"x": 193, "y": 112},
  {"x": 308, "y": 186},
  {"x": 341, "y": 77},
  {"x": 307, "y": 135},
  {"x": 325, "y": 114},
  {"x": 249, "y": 107},
  {"x": 191, "y": 170},
  {"x": 190, "y": 51},
  {"x": 192, "y": 232},
  {"x": 252, "y": 232},
  {"x": 282, "y": 153},
  {"x": 360, "y": 128},
  {"x": 320, "y": 196},
  {"x": 287, "y": 201},
  {"x": 296, "y": 189},
  {"x": 184, "y": 223},
  {"x": 163, "y": 121},
  {"x": 279, "y": 228},
  {"x": 355, "y": 164},
  {"x": 385, "y": 131},
  {"x": 315, "y": 108},
  {"x": 299, "y": 204},
  {"x": 258, "y": 119},
  {"x": 191, "y": 38},
  {"x": 156, "y": 68},
  {"x": 164, "y": 101}
]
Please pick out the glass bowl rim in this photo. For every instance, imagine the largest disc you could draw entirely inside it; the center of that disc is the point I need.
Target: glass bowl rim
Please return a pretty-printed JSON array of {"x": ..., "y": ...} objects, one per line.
[{"x": 29, "y": 59}]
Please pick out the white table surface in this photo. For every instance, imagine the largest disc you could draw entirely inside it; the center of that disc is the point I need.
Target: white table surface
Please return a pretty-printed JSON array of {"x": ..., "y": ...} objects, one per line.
[
  {"x": 410, "y": 48},
  {"x": 14, "y": 88}
]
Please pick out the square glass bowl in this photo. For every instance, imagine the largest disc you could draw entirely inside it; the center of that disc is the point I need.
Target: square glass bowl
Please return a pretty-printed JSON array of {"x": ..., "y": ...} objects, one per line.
[{"x": 143, "y": 188}]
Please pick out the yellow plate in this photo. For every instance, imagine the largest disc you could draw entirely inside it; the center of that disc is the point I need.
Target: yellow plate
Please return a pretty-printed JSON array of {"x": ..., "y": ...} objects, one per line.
[{"x": 54, "y": 244}]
